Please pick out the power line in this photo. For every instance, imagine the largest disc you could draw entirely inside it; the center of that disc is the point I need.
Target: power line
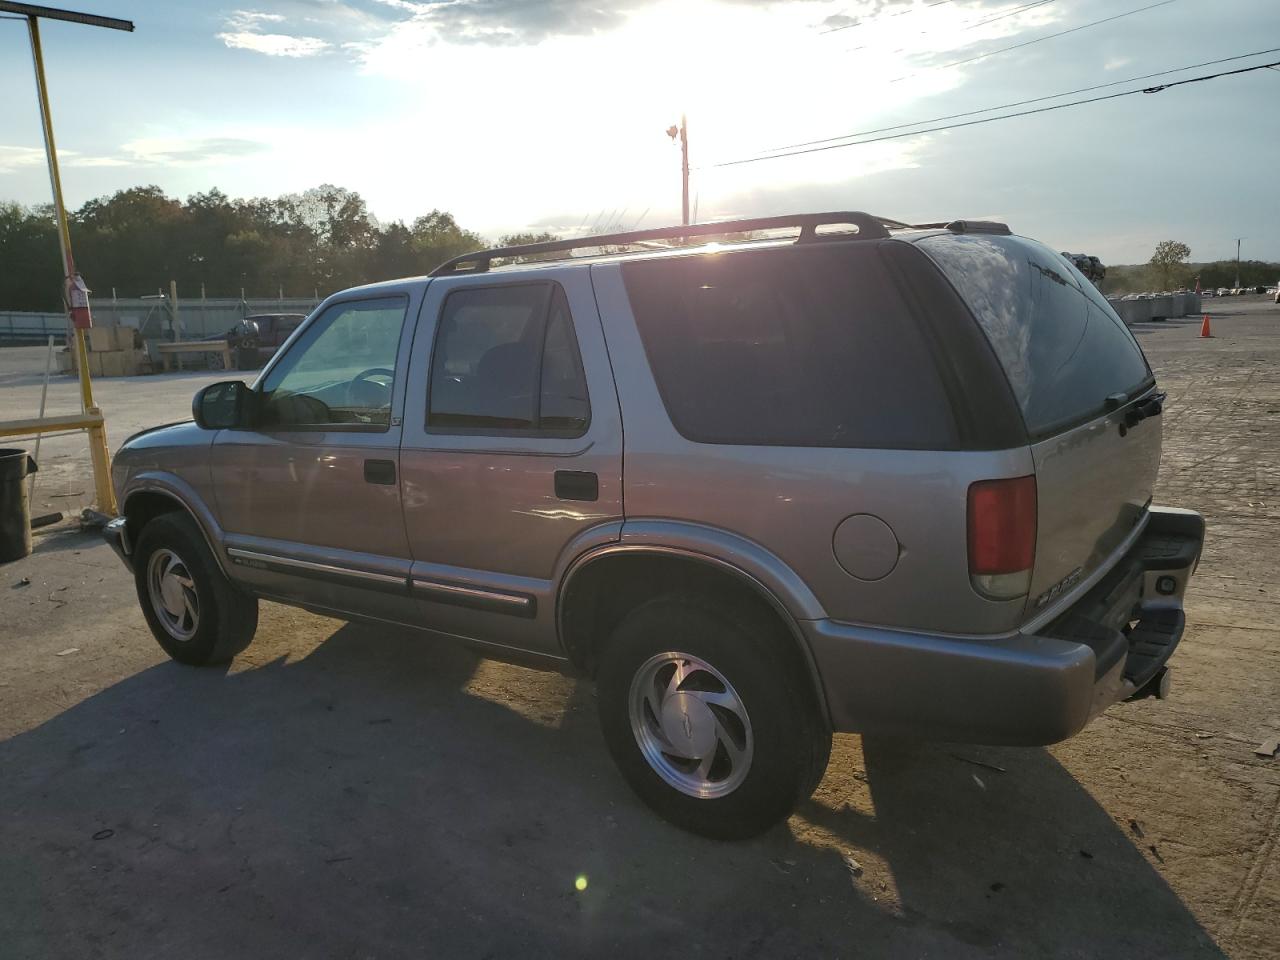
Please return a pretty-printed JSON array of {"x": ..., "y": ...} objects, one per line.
[
  {"x": 887, "y": 16},
  {"x": 1006, "y": 116},
  {"x": 1023, "y": 103},
  {"x": 1012, "y": 13},
  {"x": 972, "y": 25},
  {"x": 1027, "y": 43}
]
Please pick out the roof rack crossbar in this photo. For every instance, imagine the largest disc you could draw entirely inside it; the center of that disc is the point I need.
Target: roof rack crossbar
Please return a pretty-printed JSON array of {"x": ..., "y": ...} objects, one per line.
[{"x": 479, "y": 261}]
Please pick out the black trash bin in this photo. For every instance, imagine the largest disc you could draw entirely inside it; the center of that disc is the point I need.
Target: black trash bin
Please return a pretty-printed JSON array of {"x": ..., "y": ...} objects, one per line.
[{"x": 15, "y": 511}]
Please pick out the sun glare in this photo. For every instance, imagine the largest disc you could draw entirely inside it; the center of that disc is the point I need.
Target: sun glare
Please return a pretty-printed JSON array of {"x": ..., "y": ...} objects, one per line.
[{"x": 594, "y": 109}]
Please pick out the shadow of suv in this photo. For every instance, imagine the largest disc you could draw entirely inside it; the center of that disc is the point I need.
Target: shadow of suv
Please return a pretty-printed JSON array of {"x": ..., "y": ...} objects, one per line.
[{"x": 885, "y": 479}]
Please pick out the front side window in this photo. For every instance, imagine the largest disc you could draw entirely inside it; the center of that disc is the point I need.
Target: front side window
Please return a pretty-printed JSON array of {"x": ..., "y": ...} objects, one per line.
[
  {"x": 341, "y": 372},
  {"x": 506, "y": 360}
]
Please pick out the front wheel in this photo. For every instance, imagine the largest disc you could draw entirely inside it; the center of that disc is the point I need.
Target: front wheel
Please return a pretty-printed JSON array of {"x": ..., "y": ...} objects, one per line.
[
  {"x": 196, "y": 614},
  {"x": 710, "y": 717}
]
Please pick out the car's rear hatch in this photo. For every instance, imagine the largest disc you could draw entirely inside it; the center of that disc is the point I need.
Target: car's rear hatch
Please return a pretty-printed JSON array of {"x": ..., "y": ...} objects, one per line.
[{"x": 1086, "y": 393}]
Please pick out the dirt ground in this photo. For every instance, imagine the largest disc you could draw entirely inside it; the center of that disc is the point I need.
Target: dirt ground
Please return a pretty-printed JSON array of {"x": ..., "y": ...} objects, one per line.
[{"x": 344, "y": 791}]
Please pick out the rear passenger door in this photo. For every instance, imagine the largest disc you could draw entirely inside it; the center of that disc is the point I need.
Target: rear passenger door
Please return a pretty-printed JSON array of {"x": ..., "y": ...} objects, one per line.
[{"x": 511, "y": 459}]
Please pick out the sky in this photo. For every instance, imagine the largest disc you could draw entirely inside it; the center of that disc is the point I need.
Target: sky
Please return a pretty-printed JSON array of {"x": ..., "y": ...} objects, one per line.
[{"x": 524, "y": 115}]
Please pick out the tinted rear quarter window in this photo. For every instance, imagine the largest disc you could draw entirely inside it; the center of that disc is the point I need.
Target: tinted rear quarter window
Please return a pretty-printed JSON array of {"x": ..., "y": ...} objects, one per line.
[
  {"x": 799, "y": 346},
  {"x": 1062, "y": 347}
]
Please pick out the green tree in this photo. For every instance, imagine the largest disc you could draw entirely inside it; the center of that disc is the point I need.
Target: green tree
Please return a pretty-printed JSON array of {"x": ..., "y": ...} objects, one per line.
[
  {"x": 524, "y": 239},
  {"x": 437, "y": 238},
  {"x": 137, "y": 240},
  {"x": 30, "y": 259},
  {"x": 1170, "y": 262}
]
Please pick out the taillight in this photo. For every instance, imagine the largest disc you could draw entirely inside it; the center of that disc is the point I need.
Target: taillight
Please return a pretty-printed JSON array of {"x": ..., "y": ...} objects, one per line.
[{"x": 1002, "y": 536}]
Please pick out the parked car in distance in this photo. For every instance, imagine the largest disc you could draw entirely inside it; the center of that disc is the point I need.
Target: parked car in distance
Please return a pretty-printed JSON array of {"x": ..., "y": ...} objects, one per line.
[
  {"x": 812, "y": 522},
  {"x": 255, "y": 338},
  {"x": 269, "y": 330}
]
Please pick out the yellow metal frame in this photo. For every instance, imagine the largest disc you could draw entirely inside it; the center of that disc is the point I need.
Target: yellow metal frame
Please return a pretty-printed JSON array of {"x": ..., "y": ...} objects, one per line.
[{"x": 92, "y": 419}]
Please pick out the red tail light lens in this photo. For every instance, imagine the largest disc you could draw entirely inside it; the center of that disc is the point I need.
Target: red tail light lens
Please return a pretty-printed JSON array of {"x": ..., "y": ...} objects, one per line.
[{"x": 1002, "y": 529}]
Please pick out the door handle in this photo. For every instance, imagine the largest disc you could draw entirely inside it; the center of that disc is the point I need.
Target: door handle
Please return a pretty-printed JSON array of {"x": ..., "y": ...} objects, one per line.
[
  {"x": 577, "y": 485},
  {"x": 380, "y": 471}
]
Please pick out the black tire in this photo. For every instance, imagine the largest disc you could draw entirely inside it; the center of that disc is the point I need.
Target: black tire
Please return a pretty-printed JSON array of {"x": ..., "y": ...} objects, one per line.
[
  {"x": 226, "y": 616},
  {"x": 792, "y": 741}
]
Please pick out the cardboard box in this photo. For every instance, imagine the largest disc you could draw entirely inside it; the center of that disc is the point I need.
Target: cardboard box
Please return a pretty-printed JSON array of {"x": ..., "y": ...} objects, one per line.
[
  {"x": 65, "y": 363},
  {"x": 119, "y": 363},
  {"x": 106, "y": 338},
  {"x": 101, "y": 338},
  {"x": 95, "y": 364},
  {"x": 112, "y": 362}
]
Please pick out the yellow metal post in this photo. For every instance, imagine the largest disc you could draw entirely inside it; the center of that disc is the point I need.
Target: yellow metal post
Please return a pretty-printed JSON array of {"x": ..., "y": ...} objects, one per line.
[{"x": 98, "y": 451}]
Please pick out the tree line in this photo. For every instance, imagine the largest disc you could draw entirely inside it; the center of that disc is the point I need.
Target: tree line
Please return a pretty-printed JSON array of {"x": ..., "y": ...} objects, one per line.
[
  {"x": 137, "y": 240},
  {"x": 323, "y": 240},
  {"x": 1170, "y": 268}
]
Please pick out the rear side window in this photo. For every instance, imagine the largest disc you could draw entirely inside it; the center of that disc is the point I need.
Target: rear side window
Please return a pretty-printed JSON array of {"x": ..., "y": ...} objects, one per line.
[
  {"x": 804, "y": 346},
  {"x": 1062, "y": 347},
  {"x": 506, "y": 360}
]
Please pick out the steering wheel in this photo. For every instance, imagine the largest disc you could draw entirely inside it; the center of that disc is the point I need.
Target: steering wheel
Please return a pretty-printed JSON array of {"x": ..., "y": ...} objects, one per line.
[{"x": 364, "y": 391}]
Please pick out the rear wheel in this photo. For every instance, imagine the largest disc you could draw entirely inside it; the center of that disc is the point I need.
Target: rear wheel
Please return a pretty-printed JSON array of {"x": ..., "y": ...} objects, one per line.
[
  {"x": 710, "y": 717},
  {"x": 196, "y": 614}
]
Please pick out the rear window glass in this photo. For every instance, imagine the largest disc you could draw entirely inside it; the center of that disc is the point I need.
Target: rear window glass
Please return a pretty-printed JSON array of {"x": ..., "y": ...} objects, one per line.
[
  {"x": 1062, "y": 347},
  {"x": 793, "y": 347}
]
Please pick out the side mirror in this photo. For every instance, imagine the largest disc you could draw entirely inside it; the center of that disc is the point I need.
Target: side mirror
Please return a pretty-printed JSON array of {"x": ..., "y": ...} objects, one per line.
[{"x": 223, "y": 406}]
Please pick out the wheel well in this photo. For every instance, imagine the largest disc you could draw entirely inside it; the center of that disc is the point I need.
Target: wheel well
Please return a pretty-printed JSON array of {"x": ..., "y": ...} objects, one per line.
[
  {"x": 598, "y": 596},
  {"x": 143, "y": 507}
]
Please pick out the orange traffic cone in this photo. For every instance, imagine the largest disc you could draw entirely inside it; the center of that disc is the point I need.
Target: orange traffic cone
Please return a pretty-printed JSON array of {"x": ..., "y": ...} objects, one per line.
[{"x": 1204, "y": 327}]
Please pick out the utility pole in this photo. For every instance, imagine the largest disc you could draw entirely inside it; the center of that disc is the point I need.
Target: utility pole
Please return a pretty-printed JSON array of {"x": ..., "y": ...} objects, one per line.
[
  {"x": 682, "y": 132},
  {"x": 1238, "y": 239}
]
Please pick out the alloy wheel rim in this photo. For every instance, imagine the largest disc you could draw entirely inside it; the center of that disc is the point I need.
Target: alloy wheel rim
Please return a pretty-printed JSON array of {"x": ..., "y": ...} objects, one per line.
[
  {"x": 173, "y": 595},
  {"x": 691, "y": 725}
]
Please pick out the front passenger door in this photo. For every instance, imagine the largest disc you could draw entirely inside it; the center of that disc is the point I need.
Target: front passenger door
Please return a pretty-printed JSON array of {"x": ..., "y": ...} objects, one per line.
[{"x": 310, "y": 497}]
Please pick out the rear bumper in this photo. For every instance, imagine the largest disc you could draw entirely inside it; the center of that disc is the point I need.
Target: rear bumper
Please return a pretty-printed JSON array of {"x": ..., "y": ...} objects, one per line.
[
  {"x": 116, "y": 533},
  {"x": 1025, "y": 689}
]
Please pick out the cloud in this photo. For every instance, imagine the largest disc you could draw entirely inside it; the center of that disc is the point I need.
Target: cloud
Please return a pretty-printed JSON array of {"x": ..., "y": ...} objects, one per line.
[
  {"x": 79, "y": 161},
  {"x": 250, "y": 19},
  {"x": 180, "y": 151},
  {"x": 521, "y": 22},
  {"x": 244, "y": 31},
  {"x": 276, "y": 44},
  {"x": 505, "y": 22},
  {"x": 14, "y": 158},
  {"x": 144, "y": 152}
]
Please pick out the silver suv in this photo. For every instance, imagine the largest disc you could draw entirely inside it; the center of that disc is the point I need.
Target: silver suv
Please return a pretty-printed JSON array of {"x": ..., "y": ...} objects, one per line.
[{"x": 862, "y": 477}]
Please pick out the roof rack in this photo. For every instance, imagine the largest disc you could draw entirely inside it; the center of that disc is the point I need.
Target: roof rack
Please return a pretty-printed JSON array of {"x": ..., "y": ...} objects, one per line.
[
  {"x": 869, "y": 227},
  {"x": 968, "y": 226}
]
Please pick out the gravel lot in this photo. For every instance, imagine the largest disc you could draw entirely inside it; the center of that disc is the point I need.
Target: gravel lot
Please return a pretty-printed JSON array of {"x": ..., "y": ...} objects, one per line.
[{"x": 344, "y": 791}]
